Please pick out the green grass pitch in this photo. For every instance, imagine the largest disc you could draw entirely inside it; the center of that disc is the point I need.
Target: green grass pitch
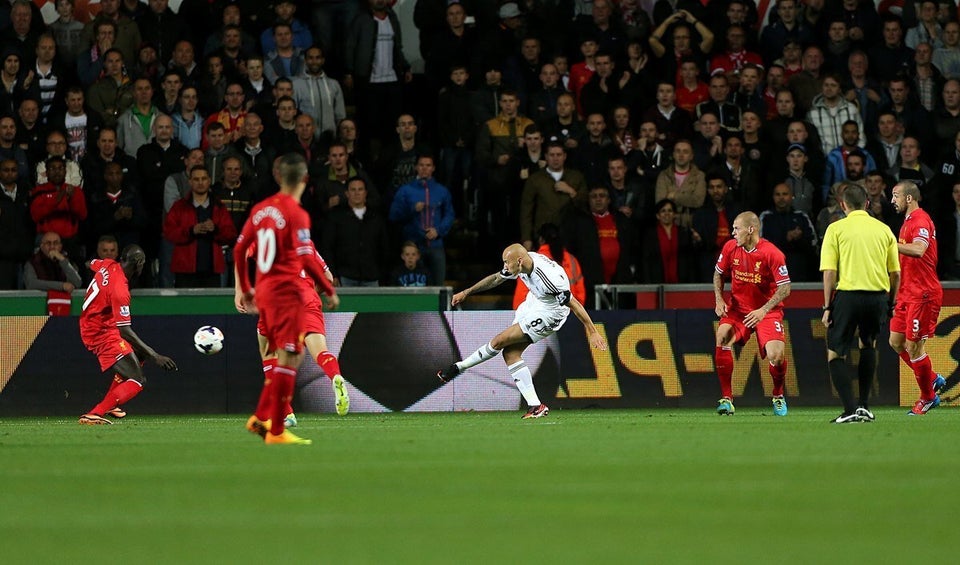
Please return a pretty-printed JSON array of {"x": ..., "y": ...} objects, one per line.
[{"x": 590, "y": 486}]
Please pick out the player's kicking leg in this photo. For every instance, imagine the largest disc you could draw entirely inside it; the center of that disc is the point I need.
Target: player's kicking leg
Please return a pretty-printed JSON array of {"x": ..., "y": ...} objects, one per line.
[
  {"x": 128, "y": 369},
  {"x": 317, "y": 346}
]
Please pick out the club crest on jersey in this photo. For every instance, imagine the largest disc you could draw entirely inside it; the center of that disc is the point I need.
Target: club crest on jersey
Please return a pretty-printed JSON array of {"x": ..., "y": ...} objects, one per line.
[
  {"x": 303, "y": 234},
  {"x": 757, "y": 266},
  {"x": 782, "y": 271},
  {"x": 736, "y": 262},
  {"x": 125, "y": 311}
]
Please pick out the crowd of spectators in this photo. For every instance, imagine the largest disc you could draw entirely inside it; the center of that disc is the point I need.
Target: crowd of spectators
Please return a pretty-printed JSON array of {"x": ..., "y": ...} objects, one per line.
[{"x": 639, "y": 129}]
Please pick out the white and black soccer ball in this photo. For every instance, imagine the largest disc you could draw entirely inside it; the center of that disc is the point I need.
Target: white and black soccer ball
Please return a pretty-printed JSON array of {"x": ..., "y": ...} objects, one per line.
[{"x": 208, "y": 340}]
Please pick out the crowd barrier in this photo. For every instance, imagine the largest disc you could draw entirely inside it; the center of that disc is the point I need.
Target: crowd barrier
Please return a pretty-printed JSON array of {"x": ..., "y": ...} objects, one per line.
[{"x": 656, "y": 358}]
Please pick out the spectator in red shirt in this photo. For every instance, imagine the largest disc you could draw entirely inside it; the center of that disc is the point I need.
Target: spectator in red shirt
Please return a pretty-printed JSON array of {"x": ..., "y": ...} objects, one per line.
[{"x": 59, "y": 207}]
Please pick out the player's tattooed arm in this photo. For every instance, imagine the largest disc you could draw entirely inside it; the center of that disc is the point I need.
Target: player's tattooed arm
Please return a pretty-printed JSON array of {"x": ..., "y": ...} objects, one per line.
[
  {"x": 486, "y": 283},
  {"x": 783, "y": 291},
  {"x": 720, "y": 306}
]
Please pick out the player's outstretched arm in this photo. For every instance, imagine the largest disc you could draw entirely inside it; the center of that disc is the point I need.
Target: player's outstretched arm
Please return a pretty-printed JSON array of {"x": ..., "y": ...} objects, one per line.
[
  {"x": 486, "y": 283},
  {"x": 596, "y": 340},
  {"x": 139, "y": 345}
]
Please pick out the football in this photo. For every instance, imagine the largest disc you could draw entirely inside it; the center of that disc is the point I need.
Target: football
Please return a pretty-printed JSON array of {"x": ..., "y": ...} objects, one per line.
[{"x": 208, "y": 340}]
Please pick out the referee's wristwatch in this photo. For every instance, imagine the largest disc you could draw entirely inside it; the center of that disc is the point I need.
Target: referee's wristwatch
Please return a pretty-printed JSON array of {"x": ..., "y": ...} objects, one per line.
[{"x": 827, "y": 308}]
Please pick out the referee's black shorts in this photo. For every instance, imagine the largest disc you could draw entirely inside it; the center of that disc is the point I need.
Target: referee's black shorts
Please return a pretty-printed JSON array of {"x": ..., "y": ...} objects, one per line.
[{"x": 856, "y": 310}]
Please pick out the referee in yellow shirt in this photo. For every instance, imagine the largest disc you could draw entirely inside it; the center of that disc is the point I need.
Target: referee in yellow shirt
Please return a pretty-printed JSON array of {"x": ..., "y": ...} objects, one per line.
[{"x": 861, "y": 276}]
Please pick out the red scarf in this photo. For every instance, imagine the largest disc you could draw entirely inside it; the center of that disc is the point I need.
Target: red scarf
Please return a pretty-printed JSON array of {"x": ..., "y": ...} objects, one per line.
[{"x": 669, "y": 247}]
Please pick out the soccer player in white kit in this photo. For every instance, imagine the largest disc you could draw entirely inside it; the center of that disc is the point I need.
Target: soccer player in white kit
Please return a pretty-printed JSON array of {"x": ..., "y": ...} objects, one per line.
[{"x": 543, "y": 312}]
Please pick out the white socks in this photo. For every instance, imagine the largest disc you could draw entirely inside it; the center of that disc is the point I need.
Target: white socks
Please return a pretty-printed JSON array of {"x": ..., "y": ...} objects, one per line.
[
  {"x": 485, "y": 353},
  {"x": 521, "y": 375}
]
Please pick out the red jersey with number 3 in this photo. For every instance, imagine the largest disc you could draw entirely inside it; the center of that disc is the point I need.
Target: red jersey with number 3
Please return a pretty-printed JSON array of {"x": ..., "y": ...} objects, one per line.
[
  {"x": 754, "y": 275},
  {"x": 280, "y": 230},
  {"x": 107, "y": 303},
  {"x": 919, "y": 281}
]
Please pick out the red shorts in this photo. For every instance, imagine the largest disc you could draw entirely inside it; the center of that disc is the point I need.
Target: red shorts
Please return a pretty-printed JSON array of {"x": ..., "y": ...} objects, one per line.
[
  {"x": 916, "y": 320},
  {"x": 109, "y": 349},
  {"x": 769, "y": 329},
  {"x": 312, "y": 323},
  {"x": 282, "y": 318}
]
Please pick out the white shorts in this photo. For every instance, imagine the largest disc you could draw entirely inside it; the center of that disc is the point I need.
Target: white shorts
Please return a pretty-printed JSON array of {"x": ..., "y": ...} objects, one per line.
[{"x": 538, "y": 320}]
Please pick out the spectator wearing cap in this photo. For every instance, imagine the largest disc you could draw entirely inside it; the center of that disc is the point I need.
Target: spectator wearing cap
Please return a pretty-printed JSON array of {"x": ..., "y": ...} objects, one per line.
[
  {"x": 806, "y": 196},
  {"x": 376, "y": 68},
  {"x": 503, "y": 39}
]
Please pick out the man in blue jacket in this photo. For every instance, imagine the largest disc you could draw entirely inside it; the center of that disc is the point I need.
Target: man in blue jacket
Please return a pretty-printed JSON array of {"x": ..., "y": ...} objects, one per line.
[{"x": 423, "y": 209}]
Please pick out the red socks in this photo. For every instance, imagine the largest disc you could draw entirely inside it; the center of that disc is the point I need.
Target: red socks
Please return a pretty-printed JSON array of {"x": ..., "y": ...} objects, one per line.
[
  {"x": 779, "y": 374},
  {"x": 283, "y": 381},
  {"x": 906, "y": 358},
  {"x": 923, "y": 371},
  {"x": 263, "y": 405},
  {"x": 329, "y": 364},
  {"x": 117, "y": 379},
  {"x": 118, "y": 395},
  {"x": 723, "y": 359}
]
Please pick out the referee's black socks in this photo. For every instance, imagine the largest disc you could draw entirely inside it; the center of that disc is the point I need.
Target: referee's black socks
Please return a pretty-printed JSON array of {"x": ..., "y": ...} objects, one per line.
[
  {"x": 865, "y": 373},
  {"x": 841, "y": 381}
]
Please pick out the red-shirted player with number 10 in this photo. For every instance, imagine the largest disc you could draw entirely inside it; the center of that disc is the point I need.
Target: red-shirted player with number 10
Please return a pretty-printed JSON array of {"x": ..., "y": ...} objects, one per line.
[
  {"x": 759, "y": 283},
  {"x": 918, "y": 302},
  {"x": 281, "y": 230}
]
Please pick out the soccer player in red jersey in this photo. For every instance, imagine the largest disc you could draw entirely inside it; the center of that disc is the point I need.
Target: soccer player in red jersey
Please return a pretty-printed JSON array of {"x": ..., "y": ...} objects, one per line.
[
  {"x": 759, "y": 283},
  {"x": 106, "y": 331},
  {"x": 280, "y": 228},
  {"x": 316, "y": 341},
  {"x": 918, "y": 302}
]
